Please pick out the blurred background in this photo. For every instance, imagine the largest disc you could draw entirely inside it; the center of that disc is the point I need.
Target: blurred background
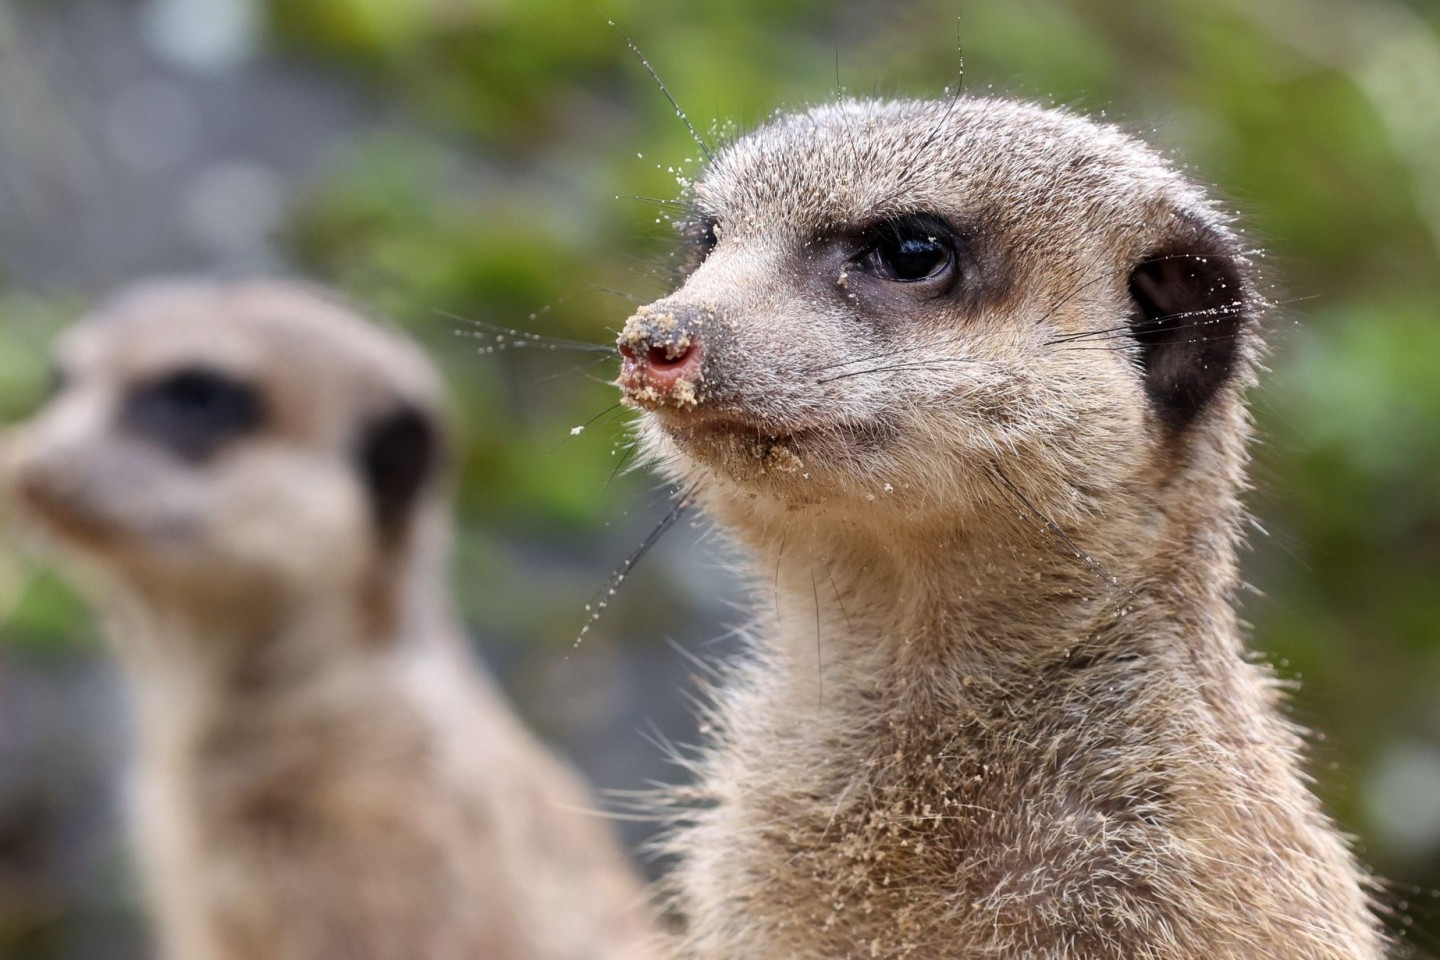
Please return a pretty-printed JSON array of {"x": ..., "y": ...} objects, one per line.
[{"x": 451, "y": 160}]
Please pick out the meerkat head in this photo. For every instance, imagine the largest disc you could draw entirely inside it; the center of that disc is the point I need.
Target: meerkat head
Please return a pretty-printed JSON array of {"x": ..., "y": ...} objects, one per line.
[
  {"x": 887, "y": 302},
  {"x": 251, "y": 442}
]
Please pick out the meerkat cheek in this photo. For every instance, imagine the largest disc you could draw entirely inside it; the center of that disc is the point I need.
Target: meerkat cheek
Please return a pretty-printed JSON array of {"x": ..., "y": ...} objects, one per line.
[{"x": 309, "y": 526}]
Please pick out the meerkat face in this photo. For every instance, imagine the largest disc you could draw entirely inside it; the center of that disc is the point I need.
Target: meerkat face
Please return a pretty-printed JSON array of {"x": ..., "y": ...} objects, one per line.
[
  {"x": 890, "y": 300},
  {"x": 228, "y": 440}
]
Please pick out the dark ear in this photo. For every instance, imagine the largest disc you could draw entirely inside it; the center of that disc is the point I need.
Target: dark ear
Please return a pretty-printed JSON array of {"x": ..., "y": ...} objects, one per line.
[
  {"x": 399, "y": 452},
  {"x": 1192, "y": 305}
]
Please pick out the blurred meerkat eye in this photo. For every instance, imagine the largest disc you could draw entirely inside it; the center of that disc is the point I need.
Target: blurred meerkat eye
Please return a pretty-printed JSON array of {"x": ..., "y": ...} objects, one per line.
[
  {"x": 193, "y": 412},
  {"x": 909, "y": 249}
]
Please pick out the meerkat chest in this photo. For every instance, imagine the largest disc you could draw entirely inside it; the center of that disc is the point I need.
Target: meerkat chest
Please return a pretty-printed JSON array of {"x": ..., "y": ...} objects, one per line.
[{"x": 926, "y": 836}]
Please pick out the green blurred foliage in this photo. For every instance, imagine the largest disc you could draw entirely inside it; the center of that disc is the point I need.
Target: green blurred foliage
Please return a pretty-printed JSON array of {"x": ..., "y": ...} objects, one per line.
[{"x": 510, "y": 190}]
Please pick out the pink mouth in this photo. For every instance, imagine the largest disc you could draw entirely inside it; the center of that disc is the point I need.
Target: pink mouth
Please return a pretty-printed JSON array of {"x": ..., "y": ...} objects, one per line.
[{"x": 657, "y": 370}]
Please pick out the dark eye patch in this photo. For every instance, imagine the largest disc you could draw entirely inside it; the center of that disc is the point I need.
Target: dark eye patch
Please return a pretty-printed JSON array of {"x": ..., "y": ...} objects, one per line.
[{"x": 193, "y": 412}]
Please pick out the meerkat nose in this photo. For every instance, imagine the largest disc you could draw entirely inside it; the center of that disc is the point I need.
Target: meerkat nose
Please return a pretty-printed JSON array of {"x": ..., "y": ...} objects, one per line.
[
  {"x": 660, "y": 368},
  {"x": 662, "y": 358}
]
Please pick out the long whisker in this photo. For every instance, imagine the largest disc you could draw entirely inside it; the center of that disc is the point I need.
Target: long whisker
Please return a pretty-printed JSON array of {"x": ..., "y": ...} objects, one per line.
[
  {"x": 1127, "y": 329},
  {"x": 624, "y": 459},
  {"x": 679, "y": 112},
  {"x": 1075, "y": 291},
  {"x": 874, "y": 356},
  {"x": 623, "y": 295},
  {"x": 608, "y": 413},
  {"x": 597, "y": 607},
  {"x": 1215, "y": 338},
  {"x": 1104, "y": 275},
  {"x": 916, "y": 365},
  {"x": 657, "y": 201},
  {"x": 1032, "y": 515},
  {"x": 508, "y": 338},
  {"x": 580, "y": 369},
  {"x": 1210, "y": 315}
]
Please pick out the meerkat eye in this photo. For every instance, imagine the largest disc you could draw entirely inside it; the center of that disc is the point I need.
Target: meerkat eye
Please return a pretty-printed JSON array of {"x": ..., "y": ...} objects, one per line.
[
  {"x": 193, "y": 412},
  {"x": 910, "y": 249}
]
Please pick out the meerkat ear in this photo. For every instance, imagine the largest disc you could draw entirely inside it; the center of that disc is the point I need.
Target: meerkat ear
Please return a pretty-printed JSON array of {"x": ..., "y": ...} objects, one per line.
[
  {"x": 1191, "y": 306},
  {"x": 399, "y": 452}
]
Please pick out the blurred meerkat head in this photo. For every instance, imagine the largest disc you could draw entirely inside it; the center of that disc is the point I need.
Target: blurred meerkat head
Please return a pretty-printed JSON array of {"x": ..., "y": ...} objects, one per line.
[
  {"x": 889, "y": 301},
  {"x": 250, "y": 442}
]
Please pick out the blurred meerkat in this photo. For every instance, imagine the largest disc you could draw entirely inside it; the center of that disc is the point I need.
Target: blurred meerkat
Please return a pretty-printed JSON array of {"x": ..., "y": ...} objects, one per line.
[
  {"x": 250, "y": 480},
  {"x": 966, "y": 380}
]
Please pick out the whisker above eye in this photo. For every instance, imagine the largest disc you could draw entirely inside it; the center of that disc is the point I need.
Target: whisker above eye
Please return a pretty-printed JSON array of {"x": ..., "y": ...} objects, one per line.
[{"x": 679, "y": 112}]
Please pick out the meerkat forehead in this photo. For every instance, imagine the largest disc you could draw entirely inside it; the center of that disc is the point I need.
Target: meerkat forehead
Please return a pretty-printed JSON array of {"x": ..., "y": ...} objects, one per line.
[{"x": 1031, "y": 171}]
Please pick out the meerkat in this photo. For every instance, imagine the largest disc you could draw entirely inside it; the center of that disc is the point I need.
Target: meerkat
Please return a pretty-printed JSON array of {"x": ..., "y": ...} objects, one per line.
[
  {"x": 251, "y": 480},
  {"x": 965, "y": 379}
]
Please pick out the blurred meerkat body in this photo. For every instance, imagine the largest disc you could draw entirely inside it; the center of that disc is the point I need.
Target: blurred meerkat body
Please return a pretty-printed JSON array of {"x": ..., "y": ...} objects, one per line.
[
  {"x": 965, "y": 379},
  {"x": 250, "y": 478}
]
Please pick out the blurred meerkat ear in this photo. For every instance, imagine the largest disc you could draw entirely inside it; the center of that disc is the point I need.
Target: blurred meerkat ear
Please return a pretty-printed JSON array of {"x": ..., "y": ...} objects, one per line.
[
  {"x": 399, "y": 453},
  {"x": 1191, "y": 306}
]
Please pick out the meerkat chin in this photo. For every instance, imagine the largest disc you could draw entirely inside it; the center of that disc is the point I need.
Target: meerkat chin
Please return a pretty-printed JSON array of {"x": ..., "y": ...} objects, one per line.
[
  {"x": 250, "y": 481},
  {"x": 966, "y": 380}
]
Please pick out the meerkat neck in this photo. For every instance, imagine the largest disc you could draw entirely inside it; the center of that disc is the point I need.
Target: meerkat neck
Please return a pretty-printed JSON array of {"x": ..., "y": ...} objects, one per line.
[
  {"x": 199, "y": 664},
  {"x": 983, "y": 603}
]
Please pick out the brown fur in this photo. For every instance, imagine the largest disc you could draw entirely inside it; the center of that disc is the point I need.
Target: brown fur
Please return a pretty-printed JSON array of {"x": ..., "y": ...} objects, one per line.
[
  {"x": 321, "y": 772},
  {"x": 997, "y": 702}
]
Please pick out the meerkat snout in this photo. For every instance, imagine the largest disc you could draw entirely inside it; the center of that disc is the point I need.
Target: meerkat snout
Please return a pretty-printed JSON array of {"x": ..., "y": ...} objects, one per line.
[{"x": 663, "y": 350}]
